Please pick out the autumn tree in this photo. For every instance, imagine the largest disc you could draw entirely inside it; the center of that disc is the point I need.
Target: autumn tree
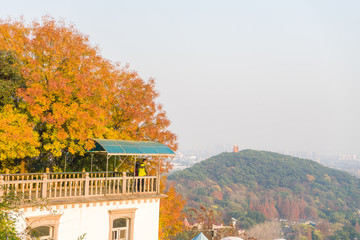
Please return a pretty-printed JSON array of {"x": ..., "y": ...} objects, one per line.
[
  {"x": 17, "y": 137},
  {"x": 273, "y": 211},
  {"x": 171, "y": 212},
  {"x": 10, "y": 78},
  {"x": 295, "y": 212},
  {"x": 357, "y": 227},
  {"x": 302, "y": 207},
  {"x": 266, "y": 207},
  {"x": 69, "y": 93},
  {"x": 324, "y": 227},
  {"x": 57, "y": 92}
]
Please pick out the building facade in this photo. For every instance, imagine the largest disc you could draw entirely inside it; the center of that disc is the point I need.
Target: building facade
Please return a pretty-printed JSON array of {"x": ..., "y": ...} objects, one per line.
[{"x": 86, "y": 204}]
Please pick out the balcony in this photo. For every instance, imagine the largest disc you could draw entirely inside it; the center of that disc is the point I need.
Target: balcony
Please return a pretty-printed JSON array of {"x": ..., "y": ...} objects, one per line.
[
  {"x": 77, "y": 186},
  {"x": 73, "y": 187}
]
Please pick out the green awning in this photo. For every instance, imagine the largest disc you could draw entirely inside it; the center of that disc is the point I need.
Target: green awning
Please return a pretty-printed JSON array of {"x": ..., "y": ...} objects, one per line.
[{"x": 134, "y": 148}]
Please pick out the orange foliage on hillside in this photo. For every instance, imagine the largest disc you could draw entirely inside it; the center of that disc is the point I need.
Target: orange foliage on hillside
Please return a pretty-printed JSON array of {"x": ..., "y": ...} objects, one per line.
[{"x": 291, "y": 209}]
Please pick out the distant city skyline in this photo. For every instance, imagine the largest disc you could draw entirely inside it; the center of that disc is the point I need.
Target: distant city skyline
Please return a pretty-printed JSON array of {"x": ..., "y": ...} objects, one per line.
[
  {"x": 218, "y": 148},
  {"x": 270, "y": 75}
]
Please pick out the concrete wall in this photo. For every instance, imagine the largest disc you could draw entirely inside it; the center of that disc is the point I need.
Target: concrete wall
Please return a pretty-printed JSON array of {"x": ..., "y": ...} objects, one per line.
[{"x": 93, "y": 218}]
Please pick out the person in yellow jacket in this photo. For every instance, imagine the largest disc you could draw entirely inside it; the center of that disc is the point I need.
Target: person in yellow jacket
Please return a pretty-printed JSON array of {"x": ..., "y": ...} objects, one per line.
[
  {"x": 141, "y": 172},
  {"x": 142, "y": 168}
]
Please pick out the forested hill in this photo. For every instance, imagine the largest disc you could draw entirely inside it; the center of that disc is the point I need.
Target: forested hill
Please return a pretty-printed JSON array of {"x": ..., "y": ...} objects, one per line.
[{"x": 270, "y": 183}]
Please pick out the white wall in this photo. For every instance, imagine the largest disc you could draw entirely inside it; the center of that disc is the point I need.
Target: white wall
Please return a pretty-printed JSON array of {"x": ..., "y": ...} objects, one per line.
[{"x": 93, "y": 219}]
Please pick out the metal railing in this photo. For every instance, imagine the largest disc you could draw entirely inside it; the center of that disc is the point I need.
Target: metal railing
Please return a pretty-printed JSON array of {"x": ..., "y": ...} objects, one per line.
[{"x": 78, "y": 184}]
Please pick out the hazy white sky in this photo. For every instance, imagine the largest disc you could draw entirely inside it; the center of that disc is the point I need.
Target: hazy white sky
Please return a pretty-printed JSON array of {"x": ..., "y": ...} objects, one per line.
[{"x": 274, "y": 75}]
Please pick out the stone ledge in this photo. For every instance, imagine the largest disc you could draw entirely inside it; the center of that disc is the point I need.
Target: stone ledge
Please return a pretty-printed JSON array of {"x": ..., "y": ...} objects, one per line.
[{"x": 94, "y": 200}]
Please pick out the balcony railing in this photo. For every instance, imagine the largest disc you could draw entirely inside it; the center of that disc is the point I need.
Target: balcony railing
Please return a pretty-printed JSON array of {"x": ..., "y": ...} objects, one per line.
[{"x": 79, "y": 184}]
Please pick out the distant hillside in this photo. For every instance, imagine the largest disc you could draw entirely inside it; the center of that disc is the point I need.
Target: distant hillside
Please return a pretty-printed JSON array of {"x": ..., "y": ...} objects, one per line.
[{"x": 275, "y": 185}]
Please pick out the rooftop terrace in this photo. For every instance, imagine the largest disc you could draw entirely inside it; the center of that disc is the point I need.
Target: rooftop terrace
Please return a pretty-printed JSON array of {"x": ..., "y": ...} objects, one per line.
[{"x": 77, "y": 186}]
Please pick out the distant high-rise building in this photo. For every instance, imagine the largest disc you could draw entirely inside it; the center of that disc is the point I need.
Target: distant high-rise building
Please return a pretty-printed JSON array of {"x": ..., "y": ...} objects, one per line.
[{"x": 235, "y": 149}]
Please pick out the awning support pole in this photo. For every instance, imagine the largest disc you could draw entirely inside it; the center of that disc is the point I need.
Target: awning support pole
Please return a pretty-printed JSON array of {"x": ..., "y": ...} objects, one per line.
[
  {"x": 158, "y": 176},
  {"x": 114, "y": 163},
  {"x": 107, "y": 172},
  {"x": 92, "y": 159},
  {"x": 135, "y": 158}
]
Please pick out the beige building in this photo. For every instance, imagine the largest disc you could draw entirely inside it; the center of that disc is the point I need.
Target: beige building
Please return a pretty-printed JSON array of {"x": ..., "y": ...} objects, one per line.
[{"x": 96, "y": 205}]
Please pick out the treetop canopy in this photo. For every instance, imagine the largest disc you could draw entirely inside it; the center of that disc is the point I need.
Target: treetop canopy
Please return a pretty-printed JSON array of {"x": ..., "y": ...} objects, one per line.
[{"x": 60, "y": 87}]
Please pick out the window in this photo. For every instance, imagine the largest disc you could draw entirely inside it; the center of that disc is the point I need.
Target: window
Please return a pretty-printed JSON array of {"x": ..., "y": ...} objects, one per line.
[
  {"x": 44, "y": 227},
  {"x": 122, "y": 224},
  {"x": 42, "y": 232},
  {"x": 120, "y": 230}
]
